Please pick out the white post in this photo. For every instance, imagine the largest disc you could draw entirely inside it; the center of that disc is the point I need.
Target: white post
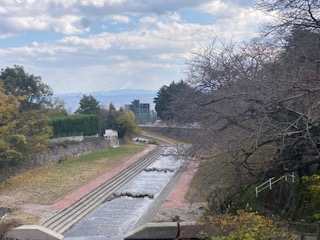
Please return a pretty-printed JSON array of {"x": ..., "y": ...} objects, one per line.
[
  {"x": 292, "y": 177},
  {"x": 270, "y": 183}
]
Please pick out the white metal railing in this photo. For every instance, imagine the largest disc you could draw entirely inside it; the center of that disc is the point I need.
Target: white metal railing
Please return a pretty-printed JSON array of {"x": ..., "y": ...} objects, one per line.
[{"x": 271, "y": 181}]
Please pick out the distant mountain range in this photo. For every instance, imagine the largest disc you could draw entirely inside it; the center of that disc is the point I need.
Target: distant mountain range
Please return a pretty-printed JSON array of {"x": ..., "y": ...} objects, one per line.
[{"x": 118, "y": 98}]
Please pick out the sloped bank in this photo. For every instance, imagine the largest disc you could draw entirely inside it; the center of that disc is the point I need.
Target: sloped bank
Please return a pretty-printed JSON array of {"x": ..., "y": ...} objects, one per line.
[{"x": 177, "y": 133}]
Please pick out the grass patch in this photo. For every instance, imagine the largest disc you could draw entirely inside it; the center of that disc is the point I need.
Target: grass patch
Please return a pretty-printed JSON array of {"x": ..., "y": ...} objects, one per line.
[
  {"x": 160, "y": 136},
  {"x": 46, "y": 184},
  {"x": 207, "y": 178}
]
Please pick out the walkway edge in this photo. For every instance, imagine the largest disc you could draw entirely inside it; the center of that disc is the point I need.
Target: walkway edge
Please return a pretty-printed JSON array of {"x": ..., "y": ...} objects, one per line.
[
  {"x": 78, "y": 193},
  {"x": 165, "y": 230},
  {"x": 32, "y": 232}
]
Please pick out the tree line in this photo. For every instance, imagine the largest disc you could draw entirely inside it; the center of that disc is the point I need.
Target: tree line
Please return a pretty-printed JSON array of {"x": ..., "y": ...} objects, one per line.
[
  {"x": 257, "y": 102},
  {"x": 29, "y": 117}
]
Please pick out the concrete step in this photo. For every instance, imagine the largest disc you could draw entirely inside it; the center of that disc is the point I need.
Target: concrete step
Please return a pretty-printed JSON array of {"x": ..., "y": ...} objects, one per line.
[
  {"x": 69, "y": 216},
  {"x": 92, "y": 238}
]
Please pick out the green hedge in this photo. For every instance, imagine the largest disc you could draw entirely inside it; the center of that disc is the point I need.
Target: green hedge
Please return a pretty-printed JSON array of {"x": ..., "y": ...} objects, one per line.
[{"x": 75, "y": 125}]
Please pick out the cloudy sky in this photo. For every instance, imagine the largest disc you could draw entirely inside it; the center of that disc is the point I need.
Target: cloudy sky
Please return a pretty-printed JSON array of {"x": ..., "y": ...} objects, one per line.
[{"x": 102, "y": 45}]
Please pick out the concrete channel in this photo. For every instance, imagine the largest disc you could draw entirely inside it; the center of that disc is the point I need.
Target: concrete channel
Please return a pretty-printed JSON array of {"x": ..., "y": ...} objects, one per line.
[
  {"x": 69, "y": 216},
  {"x": 128, "y": 201},
  {"x": 128, "y": 207}
]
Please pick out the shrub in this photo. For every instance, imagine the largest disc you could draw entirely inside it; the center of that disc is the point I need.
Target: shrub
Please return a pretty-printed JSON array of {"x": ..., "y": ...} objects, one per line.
[
  {"x": 245, "y": 225},
  {"x": 307, "y": 194},
  {"x": 75, "y": 125},
  {"x": 6, "y": 225},
  {"x": 241, "y": 201}
]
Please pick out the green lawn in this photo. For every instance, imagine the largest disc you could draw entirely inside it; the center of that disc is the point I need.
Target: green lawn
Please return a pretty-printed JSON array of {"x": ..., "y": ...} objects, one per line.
[{"x": 46, "y": 184}]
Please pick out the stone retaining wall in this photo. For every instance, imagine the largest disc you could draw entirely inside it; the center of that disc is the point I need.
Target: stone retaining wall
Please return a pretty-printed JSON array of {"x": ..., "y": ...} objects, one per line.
[{"x": 59, "y": 152}]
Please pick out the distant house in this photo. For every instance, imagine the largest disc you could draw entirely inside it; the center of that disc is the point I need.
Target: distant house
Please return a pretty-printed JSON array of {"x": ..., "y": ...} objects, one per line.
[
  {"x": 112, "y": 136},
  {"x": 141, "y": 111}
]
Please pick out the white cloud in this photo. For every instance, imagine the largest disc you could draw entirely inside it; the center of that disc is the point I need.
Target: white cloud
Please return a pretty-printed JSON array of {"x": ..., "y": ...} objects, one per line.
[
  {"x": 101, "y": 41},
  {"x": 119, "y": 18},
  {"x": 145, "y": 43},
  {"x": 234, "y": 21},
  {"x": 218, "y": 8},
  {"x": 6, "y": 35},
  {"x": 168, "y": 37},
  {"x": 65, "y": 16},
  {"x": 244, "y": 25},
  {"x": 149, "y": 19},
  {"x": 66, "y": 24},
  {"x": 175, "y": 17},
  {"x": 3, "y": 10},
  {"x": 37, "y": 52}
]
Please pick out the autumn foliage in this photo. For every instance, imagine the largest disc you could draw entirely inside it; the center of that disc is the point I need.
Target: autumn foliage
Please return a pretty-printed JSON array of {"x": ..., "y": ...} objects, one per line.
[{"x": 244, "y": 225}]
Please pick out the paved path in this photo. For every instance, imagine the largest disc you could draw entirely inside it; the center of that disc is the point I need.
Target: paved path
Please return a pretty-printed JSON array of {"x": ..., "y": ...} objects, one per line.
[
  {"x": 176, "y": 197},
  {"x": 83, "y": 190}
]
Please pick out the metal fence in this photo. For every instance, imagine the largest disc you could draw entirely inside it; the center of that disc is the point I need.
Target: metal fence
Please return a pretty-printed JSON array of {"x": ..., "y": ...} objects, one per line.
[{"x": 271, "y": 181}]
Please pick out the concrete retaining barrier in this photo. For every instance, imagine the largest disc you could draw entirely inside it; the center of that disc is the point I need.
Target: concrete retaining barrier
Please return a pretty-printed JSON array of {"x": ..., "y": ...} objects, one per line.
[
  {"x": 162, "y": 230},
  {"x": 32, "y": 232},
  {"x": 165, "y": 231},
  {"x": 168, "y": 231}
]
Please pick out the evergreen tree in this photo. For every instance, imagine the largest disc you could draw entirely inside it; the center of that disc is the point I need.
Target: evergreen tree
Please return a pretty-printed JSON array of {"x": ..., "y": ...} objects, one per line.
[
  {"x": 88, "y": 105},
  {"x": 165, "y": 97}
]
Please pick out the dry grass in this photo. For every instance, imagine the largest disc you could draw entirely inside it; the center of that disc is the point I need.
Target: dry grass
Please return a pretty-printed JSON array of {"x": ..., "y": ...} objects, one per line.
[
  {"x": 160, "y": 136},
  {"x": 207, "y": 178},
  {"x": 7, "y": 224},
  {"x": 46, "y": 184},
  {"x": 28, "y": 194}
]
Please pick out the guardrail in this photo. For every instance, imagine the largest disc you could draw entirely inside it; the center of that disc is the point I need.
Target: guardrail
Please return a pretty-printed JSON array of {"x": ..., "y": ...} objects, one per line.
[{"x": 271, "y": 181}]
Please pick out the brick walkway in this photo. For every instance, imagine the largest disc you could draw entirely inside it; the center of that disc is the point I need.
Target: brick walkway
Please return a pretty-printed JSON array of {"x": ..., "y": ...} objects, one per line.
[{"x": 176, "y": 197}]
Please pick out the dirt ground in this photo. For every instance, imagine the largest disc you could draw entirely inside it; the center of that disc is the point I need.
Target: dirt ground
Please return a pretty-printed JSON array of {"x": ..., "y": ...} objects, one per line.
[
  {"x": 12, "y": 207},
  {"x": 183, "y": 214},
  {"x": 176, "y": 206}
]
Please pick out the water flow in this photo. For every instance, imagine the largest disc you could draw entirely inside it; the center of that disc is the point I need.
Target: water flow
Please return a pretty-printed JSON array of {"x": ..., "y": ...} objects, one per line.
[{"x": 116, "y": 217}]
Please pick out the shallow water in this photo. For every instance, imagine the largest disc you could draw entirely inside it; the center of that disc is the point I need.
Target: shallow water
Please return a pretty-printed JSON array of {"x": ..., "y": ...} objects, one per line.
[{"x": 116, "y": 217}]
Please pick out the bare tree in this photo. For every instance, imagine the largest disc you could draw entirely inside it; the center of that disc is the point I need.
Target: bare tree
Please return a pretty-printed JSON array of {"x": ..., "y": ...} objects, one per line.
[
  {"x": 289, "y": 13},
  {"x": 258, "y": 106},
  {"x": 258, "y": 103}
]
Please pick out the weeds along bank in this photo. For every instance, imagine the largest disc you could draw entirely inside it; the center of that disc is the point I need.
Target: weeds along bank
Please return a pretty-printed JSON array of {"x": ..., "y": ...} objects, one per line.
[{"x": 176, "y": 133}]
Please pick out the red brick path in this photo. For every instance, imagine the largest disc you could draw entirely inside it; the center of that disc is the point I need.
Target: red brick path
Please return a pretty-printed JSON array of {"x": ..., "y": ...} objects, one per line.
[{"x": 176, "y": 197}]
